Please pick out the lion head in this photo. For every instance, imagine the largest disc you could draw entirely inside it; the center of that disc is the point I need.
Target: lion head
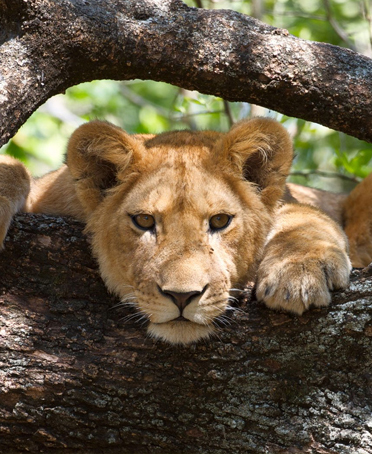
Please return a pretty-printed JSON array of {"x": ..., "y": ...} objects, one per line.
[{"x": 179, "y": 219}]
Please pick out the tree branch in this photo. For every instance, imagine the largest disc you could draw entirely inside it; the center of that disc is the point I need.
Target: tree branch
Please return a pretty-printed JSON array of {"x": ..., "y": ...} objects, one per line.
[
  {"x": 77, "y": 378},
  {"x": 47, "y": 46}
]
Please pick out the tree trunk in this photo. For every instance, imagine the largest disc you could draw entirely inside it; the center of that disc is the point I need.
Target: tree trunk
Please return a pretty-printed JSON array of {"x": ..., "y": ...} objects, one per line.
[
  {"x": 47, "y": 46},
  {"x": 77, "y": 378}
]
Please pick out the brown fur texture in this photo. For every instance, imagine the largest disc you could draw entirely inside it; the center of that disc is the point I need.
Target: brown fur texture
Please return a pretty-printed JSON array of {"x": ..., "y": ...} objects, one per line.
[{"x": 214, "y": 220}]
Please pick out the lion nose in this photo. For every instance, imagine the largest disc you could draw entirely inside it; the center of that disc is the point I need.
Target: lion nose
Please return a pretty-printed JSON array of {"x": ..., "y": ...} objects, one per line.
[{"x": 182, "y": 299}]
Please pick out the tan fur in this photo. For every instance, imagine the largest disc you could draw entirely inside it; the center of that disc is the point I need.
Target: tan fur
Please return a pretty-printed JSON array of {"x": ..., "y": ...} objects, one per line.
[
  {"x": 357, "y": 217},
  {"x": 179, "y": 274}
]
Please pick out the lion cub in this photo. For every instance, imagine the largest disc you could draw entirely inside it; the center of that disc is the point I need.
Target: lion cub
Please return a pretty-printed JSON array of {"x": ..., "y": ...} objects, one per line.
[{"x": 179, "y": 219}]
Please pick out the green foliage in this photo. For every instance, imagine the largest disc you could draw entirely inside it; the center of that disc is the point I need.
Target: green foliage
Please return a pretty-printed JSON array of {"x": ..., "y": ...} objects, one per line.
[
  {"x": 146, "y": 106},
  {"x": 357, "y": 165}
]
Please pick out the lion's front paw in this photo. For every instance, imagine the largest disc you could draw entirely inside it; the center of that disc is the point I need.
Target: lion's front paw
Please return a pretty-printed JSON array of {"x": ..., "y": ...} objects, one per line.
[
  {"x": 5, "y": 219},
  {"x": 294, "y": 282}
]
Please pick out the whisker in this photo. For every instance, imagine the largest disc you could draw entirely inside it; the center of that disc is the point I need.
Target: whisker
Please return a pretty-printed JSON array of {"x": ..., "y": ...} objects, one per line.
[
  {"x": 216, "y": 333},
  {"x": 233, "y": 299},
  {"x": 234, "y": 308},
  {"x": 138, "y": 317},
  {"x": 123, "y": 304},
  {"x": 211, "y": 302},
  {"x": 132, "y": 317},
  {"x": 225, "y": 321},
  {"x": 144, "y": 322},
  {"x": 129, "y": 296},
  {"x": 128, "y": 300},
  {"x": 208, "y": 320}
]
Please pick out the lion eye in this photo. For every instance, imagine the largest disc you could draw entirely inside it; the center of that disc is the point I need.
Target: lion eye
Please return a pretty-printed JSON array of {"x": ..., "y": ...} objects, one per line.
[
  {"x": 144, "y": 221},
  {"x": 219, "y": 222}
]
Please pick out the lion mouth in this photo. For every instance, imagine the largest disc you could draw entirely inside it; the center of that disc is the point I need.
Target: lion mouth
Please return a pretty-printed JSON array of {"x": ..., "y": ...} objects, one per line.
[{"x": 181, "y": 318}]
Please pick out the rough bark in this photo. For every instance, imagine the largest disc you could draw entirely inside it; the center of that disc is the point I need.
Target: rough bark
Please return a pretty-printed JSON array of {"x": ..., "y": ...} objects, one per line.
[
  {"x": 49, "y": 45},
  {"x": 76, "y": 378}
]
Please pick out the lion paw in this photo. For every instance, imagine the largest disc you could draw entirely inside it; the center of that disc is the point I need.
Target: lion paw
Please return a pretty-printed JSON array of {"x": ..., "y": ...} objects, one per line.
[
  {"x": 5, "y": 219},
  {"x": 294, "y": 283}
]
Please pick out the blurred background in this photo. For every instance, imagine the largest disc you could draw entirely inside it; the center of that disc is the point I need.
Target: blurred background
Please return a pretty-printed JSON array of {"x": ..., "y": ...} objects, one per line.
[{"x": 324, "y": 158}]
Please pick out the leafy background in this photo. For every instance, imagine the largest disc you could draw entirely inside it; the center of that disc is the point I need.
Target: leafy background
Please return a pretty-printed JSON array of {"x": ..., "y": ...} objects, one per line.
[{"x": 324, "y": 158}]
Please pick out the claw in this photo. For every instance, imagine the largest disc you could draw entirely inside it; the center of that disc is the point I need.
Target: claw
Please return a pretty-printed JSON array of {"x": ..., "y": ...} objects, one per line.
[
  {"x": 305, "y": 297},
  {"x": 268, "y": 290}
]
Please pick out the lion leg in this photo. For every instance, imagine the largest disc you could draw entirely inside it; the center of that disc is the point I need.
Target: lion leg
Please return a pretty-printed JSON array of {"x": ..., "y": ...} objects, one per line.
[
  {"x": 357, "y": 218},
  {"x": 14, "y": 188},
  {"x": 305, "y": 257}
]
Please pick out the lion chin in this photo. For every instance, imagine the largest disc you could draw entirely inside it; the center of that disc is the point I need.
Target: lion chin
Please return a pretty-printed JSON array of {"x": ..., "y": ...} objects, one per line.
[{"x": 180, "y": 332}]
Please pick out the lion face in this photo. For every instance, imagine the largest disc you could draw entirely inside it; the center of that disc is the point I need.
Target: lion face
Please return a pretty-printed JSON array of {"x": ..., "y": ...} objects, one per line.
[{"x": 175, "y": 221}]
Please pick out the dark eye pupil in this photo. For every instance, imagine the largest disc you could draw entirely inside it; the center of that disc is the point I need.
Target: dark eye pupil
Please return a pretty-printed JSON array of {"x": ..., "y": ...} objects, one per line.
[
  {"x": 144, "y": 221},
  {"x": 219, "y": 221}
]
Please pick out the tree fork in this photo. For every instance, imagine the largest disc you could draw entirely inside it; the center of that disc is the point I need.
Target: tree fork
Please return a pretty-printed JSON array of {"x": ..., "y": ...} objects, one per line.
[
  {"x": 48, "y": 46},
  {"x": 76, "y": 378}
]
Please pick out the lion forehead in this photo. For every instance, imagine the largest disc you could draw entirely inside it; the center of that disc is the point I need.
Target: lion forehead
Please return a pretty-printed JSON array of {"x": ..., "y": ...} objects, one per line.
[{"x": 173, "y": 189}]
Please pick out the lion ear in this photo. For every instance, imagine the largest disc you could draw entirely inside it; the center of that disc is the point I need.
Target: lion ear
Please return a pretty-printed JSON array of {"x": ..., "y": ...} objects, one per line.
[
  {"x": 261, "y": 152},
  {"x": 98, "y": 154}
]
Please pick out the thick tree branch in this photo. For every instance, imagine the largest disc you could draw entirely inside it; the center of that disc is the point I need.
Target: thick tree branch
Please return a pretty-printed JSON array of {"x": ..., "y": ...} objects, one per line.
[
  {"x": 49, "y": 45},
  {"x": 76, "y": 378}
]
